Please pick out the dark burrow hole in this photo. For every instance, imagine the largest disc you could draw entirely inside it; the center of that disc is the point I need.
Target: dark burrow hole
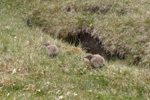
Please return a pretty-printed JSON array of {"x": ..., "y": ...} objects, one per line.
[
  {"x": 91, "y": 45},
  {"x": 88, "y": 43}
]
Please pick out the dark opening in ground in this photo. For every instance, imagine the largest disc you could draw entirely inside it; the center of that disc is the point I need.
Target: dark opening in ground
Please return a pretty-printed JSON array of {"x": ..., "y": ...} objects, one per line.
[
  {"x": 82, "y": 36},
  {"x": 90, "y": 44}
]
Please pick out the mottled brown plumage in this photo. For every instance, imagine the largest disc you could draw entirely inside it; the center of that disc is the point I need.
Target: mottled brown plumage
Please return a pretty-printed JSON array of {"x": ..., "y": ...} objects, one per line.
[
  {"x": 51, "y": 49},
  {"x": 96, "y": 60}
]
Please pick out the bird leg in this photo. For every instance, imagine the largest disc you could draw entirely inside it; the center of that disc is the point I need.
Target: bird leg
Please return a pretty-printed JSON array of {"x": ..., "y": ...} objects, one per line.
[
  {"x": 51, "y": 56},
  {"x": 97, "y": 68}
]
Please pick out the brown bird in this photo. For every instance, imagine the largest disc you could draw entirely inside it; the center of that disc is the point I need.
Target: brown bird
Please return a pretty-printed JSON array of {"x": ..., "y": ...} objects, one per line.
[
  {"x": 96, "y": 60},
  {"x": 51, "y": 49}
]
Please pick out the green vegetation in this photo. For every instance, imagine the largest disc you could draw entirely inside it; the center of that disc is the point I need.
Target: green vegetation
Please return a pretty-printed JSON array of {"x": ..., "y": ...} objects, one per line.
[
  {"x": 121, "y": 25},
  {"x": 26, "y": 72}
]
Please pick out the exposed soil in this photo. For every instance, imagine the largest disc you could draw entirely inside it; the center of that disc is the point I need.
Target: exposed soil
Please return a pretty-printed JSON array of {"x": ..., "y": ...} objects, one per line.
[
  {"x": 99, "y": 8},
  {"x": 90, "y": 44}
]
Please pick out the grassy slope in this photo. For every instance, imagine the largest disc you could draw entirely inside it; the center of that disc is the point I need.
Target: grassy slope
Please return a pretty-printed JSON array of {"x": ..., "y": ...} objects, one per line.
[
  {"x": 38, "y": 77},
  {"x": 121, "y": 25}
]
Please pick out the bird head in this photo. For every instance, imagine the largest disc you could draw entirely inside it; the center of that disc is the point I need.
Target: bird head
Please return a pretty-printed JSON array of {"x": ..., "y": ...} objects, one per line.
[
  {"x": 88, "y": 56},
  {"x": 46, "y": 44}
]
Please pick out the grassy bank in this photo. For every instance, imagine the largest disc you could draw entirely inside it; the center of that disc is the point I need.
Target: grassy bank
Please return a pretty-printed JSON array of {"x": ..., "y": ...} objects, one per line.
[
  {"x": 26, "y": 72},
  {"x": 121, "y": 25}
]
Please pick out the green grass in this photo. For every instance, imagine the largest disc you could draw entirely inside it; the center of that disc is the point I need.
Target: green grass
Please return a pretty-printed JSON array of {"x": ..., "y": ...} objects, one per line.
[
  {"x": 26, "y": 72},
  {"x": 121, "y": 25}
]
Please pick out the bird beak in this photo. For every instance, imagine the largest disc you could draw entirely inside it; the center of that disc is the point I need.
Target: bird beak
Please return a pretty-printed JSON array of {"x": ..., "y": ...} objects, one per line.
[
  {"x": 44, "y": 44},
  {"x": 85, "y": 56}
]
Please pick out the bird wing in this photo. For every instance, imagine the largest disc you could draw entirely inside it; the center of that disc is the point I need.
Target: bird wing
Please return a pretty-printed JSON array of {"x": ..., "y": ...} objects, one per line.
[
  {"x": 49, "y": 49},
  {"x": 95, "y": 62},
  {"x": 54, "y": 49}
]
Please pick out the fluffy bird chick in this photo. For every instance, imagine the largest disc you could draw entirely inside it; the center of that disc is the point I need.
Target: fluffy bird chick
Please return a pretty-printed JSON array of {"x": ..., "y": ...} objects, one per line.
[
  {"x": 51, "y": 49},
  {"x": 96, "y": 60}
]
